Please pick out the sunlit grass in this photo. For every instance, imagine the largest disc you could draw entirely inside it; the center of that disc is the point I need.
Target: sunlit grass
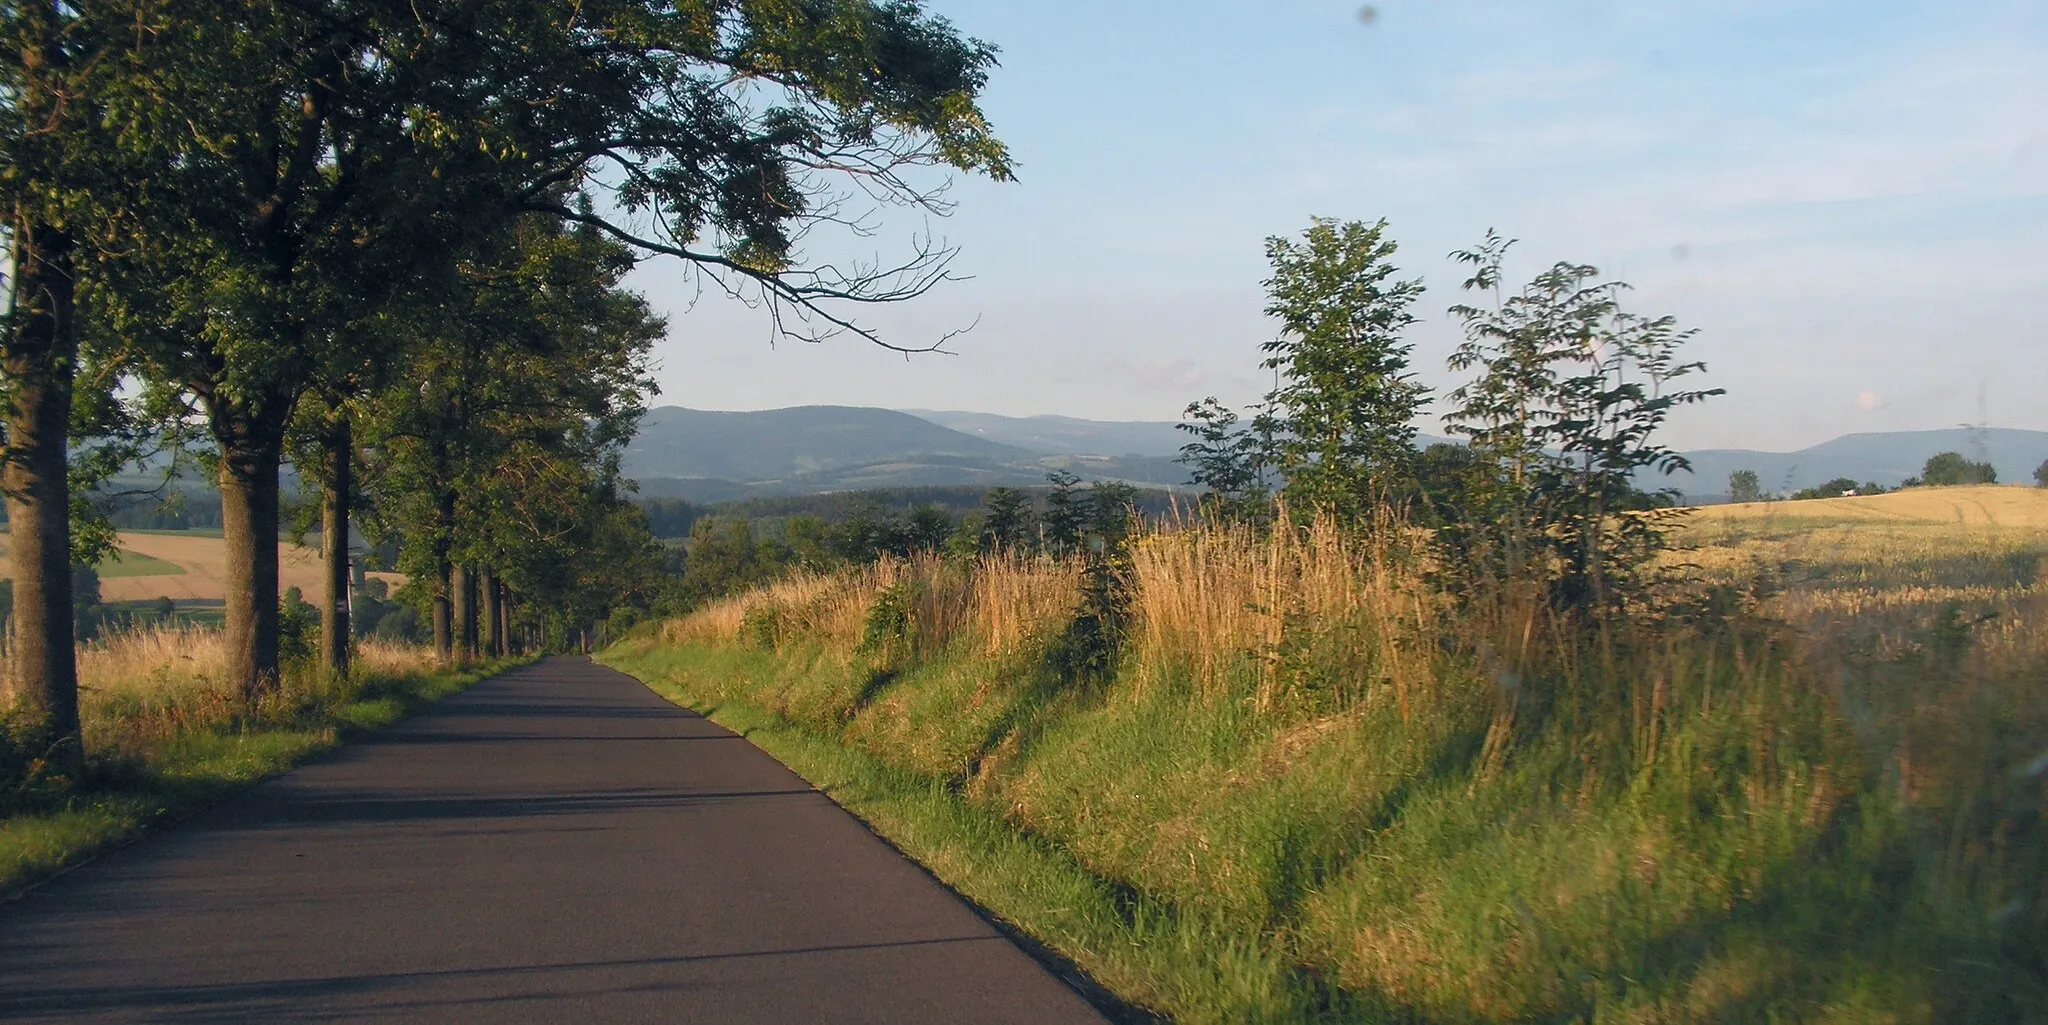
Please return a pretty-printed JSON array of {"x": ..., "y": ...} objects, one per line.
[{"x": 1317, "y": 789}]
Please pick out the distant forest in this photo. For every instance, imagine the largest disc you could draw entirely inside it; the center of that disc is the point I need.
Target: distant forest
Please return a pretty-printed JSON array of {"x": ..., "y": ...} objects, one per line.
[{"x": 674, "y": 517}]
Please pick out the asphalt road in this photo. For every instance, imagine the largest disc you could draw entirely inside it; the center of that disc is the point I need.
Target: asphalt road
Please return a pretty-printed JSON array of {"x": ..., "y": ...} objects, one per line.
[{"x": 555, "y": 845}]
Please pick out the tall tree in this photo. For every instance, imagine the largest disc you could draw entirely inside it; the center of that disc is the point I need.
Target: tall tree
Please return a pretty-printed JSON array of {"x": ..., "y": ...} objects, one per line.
[
  {"x": 340, "y": 143},
  {"x": 72, "y": 79},
  {"x": 1744, "y": 486},
  {"x": 1346, "y": 399}
]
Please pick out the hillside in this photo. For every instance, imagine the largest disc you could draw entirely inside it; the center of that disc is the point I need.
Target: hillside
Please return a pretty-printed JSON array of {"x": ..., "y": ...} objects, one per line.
[
  {"x": 708, "y": 456},
  {"x": 1886, "y": 458},
  {"x": 1065, "y": 435},
  {"x": 777, "y": 443}
]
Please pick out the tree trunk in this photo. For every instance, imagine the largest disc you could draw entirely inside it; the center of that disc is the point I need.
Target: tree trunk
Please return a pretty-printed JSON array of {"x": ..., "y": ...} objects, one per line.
[
  {"x": 487, "y": 582},
  {"x": 465, "y": 610},
  {"x": 505, "y": 638},
  {"x": 251, "y": 449},
  {"x": 444, "y": 633},
  {"x": 444, "y": 638},
  {"x": 337, "y": 467},
  {"x": 38, "y": 356}
]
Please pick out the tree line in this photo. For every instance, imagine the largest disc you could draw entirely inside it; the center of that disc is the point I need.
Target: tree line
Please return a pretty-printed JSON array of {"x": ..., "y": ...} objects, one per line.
[{"x": 383, "y": 242}]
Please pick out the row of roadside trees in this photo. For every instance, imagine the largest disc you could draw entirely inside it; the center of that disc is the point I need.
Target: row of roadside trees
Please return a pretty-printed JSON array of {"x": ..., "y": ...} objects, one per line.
[{"x": 383, "y": 241}]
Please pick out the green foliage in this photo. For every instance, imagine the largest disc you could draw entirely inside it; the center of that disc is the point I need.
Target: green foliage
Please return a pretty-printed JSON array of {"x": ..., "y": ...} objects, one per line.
[
  {"x": 1570, "y": 394},
  {"x": 1743, "y": 486},
  {"x": 1345, "y": 402},
  {"x": 1006, "y": 526},
  {"x": 1233, "y": 462},
  {"x": 1065, "y": 520},
  {"x": 1838, "y": 487},
  {"x": 298, "y": 630},
  {"x": 2041, "y": 474},
  {"x": 1948, "y": 469}
]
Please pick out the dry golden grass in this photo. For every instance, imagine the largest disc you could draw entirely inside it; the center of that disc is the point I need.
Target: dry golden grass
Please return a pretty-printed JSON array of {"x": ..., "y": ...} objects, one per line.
[
  {"x": 157, "y": 678},
  {"x": 1211, "y": 598}
]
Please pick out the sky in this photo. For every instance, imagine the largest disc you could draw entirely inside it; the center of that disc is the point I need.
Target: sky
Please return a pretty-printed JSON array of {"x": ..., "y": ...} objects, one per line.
[{"x": 1849, "y": 201}]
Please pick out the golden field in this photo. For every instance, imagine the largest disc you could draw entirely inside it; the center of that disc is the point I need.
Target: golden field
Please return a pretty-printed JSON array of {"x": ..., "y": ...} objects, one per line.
[{"x": 202, "y": 561}]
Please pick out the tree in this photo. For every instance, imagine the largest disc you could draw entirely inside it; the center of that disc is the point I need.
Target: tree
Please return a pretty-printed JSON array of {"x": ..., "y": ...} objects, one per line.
[
  {"x": 342, "y": 150},
  {"x": 1571, "y": 393},
  {"x": 1006, "y": 525},
  {"x": 1231, "y": 460},
  {"x": 523, "y": 385},
  {"x": 2041, "y": 474},
  {"x": 1836, "y": 488},
  {"x": 1345, "y": 401},
  {"x": 1744, "y": 486},
  {"x": 73, "y": 83},
  {"x": 1948, "y": 469},
  {"x": 1065, "y": 521}
]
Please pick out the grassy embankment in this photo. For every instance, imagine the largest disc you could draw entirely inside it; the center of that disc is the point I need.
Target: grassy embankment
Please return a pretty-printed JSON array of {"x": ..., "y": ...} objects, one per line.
[
  {"x": 1315, "y": 789},
  {"x": 165, "y": 737}
]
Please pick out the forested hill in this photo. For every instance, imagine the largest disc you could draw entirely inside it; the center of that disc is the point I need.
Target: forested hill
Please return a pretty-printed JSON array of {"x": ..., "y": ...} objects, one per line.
[
  {"x": 716, "y": 456},
  {"x": 1884, "y": 458},
  {"x": 1066, "y": 435}
]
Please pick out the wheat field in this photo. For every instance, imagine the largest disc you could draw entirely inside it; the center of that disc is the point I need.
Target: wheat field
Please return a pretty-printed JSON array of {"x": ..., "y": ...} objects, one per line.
[{"x": 201, "y": 564}]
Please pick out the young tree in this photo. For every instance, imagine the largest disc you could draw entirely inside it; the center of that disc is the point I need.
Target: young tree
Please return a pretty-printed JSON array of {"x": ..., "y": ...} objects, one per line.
[
  {"x": 1346, "y": 402},
  {"x": 1744, "y": 486},
  {"x": 1006, "y": 525},
  {"x": 1065, "y": 521},
  {"x": 1572, "y": 392},
  {"x": 1232, "y": 461}
]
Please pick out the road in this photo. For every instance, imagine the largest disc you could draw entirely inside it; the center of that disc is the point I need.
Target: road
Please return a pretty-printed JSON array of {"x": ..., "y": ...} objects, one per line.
[{"x": 557, "y": 844}]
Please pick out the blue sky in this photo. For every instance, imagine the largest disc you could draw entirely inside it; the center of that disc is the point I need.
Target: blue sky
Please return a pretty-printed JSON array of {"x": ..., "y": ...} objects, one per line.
[{"x": 1850, "y": 201}]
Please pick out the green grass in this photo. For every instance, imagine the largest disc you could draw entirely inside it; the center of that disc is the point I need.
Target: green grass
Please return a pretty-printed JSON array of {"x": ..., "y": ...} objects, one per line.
[
  {"x": 1701, "y": 824},
  {"x": 53, "y": 824},
  {"x": 134, "y": 564}
]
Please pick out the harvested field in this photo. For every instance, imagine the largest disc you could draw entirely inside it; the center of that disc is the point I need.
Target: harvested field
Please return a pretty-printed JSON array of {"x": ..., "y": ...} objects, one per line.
[
  {"x": 1990, "y": 505},
  {"x": 187, "y": 566}
]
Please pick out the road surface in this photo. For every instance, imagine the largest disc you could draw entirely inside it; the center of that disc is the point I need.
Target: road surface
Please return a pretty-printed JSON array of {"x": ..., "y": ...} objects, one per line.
[{"x": 557, "y": 844}]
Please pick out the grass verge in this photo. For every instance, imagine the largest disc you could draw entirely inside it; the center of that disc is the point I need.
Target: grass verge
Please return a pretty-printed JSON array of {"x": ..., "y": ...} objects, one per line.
[
  {"x": 1307, "y": 788},
  {"x": 1141, "y": 951}
]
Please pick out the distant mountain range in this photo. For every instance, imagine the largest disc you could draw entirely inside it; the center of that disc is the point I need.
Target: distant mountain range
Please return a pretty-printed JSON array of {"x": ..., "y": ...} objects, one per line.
[
  {"x": 1886, "y": 459},
  {"x": 709, "y": 456},
  {"x": 1065, "y": 435}
]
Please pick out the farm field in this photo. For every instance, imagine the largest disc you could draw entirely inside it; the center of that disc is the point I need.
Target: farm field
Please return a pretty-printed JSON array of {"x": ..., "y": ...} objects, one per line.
[{"x": 185, "y": 566}]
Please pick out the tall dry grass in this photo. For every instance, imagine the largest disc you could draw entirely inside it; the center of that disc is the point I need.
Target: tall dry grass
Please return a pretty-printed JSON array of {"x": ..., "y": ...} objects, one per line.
[
  {"x": 1810, "y": 789},
  {"x": 142, "y": 685},
  {"x": 1003, "y": 602}
]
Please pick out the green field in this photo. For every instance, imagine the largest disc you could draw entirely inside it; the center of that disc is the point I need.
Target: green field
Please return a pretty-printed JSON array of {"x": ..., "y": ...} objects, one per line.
[{"x": 125, "y": 563}]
